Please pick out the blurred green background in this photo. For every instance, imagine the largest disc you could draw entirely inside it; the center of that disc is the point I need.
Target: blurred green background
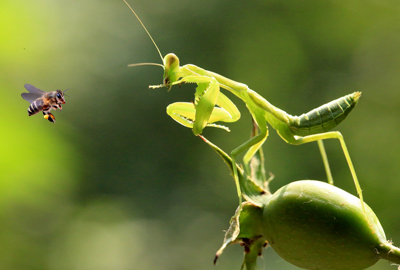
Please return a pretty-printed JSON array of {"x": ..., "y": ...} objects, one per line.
[{"x": 117, "y": 184}]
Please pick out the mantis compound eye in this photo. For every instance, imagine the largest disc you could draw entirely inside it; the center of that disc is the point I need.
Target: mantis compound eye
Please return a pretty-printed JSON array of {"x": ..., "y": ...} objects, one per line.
[{"x": 171, "y": 61}]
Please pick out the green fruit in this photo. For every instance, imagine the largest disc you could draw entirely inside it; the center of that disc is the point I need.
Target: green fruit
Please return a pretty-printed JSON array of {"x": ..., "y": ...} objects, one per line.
[
  {"x": 316, "y": 226},
  {"x": 310, "y": 224}
]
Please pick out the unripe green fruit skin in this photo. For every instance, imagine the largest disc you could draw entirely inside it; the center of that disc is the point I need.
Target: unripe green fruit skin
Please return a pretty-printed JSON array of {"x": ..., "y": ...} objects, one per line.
[{"x": 317, "y": 226}]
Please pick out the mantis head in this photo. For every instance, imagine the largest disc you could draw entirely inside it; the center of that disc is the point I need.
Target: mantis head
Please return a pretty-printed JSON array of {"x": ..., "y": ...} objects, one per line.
[
  {"x": 170, "y": 61},
  {"x": 171, "y": 70}
]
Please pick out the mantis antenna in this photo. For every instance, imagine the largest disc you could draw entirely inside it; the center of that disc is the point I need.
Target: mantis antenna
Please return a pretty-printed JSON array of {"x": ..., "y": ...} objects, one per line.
[{"x": 145, "y": 64}]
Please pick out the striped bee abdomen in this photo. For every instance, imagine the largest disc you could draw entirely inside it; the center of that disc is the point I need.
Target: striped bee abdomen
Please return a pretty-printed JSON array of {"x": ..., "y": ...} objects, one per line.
[
  {"x": 324, "y": 118},
  {"x": 35, "y": 107}
]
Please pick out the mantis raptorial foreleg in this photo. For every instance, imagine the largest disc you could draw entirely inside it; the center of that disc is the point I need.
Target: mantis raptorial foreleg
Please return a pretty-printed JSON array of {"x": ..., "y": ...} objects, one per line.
[
  {"x": 205, "y": 111},
  {"x": 211, "y": 106}
]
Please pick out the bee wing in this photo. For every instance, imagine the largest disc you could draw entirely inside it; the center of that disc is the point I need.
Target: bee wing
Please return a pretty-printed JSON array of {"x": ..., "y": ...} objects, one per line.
[
  {"x": 32, "y": 89},
  {"x": 30, "y": 96}
]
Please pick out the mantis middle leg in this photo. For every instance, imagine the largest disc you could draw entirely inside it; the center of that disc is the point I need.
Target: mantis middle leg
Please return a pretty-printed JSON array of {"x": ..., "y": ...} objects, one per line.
[{"x": 252, "y": 145}]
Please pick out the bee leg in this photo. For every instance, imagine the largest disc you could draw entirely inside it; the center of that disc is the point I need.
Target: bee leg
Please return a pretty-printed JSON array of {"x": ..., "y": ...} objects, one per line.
[
  {"x": 49, "y": 116},
  {"x": 57, "y": 106}
]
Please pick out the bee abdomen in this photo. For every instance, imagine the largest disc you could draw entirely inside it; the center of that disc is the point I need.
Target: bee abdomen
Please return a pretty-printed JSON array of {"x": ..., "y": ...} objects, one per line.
[
  {"x": 35, "y": 107},
  {"x": 326, "y": 117}
]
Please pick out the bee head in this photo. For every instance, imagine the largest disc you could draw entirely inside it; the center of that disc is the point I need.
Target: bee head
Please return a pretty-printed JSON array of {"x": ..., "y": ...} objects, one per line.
[{"x": 60, "y": 96}]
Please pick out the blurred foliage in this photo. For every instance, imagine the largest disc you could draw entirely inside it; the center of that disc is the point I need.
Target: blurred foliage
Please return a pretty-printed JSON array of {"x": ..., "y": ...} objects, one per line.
[{"x": 117, "y": 184}]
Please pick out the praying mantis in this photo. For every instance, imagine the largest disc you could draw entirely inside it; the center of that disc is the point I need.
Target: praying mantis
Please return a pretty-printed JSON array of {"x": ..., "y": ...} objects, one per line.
[{"x": 211, "y": 106}]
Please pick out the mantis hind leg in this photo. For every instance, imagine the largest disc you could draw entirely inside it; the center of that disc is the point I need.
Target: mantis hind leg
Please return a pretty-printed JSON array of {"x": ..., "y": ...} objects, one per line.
[
  {"x": 333, "y": 135},
  {"x": 325, "y": 160}
]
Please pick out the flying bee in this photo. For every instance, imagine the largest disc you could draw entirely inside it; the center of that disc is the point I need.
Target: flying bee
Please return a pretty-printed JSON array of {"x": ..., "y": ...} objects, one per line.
[{"x": 43, "y": 101}]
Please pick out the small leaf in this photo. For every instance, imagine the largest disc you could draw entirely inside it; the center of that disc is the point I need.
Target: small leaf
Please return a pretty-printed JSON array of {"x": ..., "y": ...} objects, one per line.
[{"x": 245, "y": 228}]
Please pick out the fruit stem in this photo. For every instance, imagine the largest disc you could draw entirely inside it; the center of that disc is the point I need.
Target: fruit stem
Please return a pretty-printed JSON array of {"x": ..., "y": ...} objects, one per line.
[{"x": 389, "y": 252}]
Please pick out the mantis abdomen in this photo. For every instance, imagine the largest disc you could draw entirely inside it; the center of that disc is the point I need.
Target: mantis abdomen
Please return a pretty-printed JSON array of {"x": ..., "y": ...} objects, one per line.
[{"x": 325, "y": 117}]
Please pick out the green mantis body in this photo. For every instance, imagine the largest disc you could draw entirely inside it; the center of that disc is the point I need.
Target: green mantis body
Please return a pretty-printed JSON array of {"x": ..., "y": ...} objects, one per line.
[{"x": 210, "y": 106}]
